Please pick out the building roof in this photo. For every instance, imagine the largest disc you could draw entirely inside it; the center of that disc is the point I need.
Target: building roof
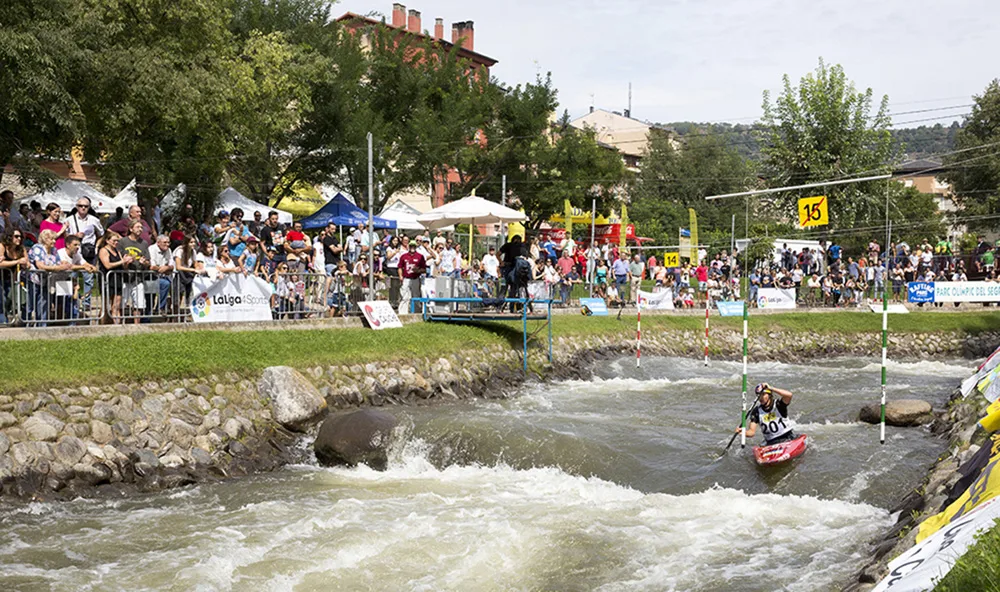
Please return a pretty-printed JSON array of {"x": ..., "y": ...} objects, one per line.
[
  {"x": 920, "y": 165},
  {"x": 627, "y": 134},
  {"x": 472, "y": 55}
]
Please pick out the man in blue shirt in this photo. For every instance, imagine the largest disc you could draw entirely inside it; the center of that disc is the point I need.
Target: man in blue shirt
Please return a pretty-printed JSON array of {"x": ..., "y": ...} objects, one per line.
[
  {"x": 834, "y": 252},
  {"x": 852, "y": 268},
  {"x": 550, "y": 249},
  {"x": 621, "y": 272}
]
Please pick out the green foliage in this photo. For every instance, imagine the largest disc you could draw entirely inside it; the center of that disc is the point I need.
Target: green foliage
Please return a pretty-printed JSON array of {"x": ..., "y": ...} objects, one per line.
[
  {"x": 676, "y": 176},
  {"x": 978, "y": 568},
  {"x": 39, "y": 66},
  {"x": 975, "y": 172},
  {"x": 824, "y": 129},
  {"x": 926, "y": 141}
]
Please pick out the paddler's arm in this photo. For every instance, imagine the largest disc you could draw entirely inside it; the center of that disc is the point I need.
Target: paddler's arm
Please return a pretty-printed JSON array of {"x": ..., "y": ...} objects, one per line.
[
  {"x": 751, "y": 430},
  {"x": 786, "y": 396}
]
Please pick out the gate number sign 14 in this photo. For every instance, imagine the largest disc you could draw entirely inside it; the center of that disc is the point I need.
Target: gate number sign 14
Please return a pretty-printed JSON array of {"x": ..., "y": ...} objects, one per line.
[{"x": 813, "y": 211}]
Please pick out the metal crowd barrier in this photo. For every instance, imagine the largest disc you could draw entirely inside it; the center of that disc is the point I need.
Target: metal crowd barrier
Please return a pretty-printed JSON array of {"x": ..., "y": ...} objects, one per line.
[
  {"x": 144, "y": 296},
  {"x": 12, "y": 296},
  {"x": 45, "y": 298}
]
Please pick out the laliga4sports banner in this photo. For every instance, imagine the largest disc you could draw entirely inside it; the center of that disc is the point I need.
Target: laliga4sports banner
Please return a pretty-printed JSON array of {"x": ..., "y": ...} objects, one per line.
[
  {"x": 775, "y": 298},
  {"x": 233, "y": 297},
  {"x": 662, "y": 300}
]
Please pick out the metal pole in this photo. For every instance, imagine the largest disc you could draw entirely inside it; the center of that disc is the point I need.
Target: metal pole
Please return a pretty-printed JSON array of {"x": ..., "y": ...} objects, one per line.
[
  {"x": 732, "y": 236},
  {"x": 591, "y": 273},
  {"x": 795, "y": 187},
  {"x": 503, "y": 202},
  {"x": 371, "y": 222}
]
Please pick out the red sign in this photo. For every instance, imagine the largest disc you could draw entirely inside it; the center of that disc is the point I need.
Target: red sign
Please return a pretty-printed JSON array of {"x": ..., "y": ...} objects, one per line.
[{"x": 610, "y": 233}]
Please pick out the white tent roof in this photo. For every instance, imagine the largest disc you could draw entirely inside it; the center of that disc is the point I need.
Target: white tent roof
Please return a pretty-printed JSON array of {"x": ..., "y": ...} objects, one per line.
[
  {"x": 127, "y": 197},
  {"x": 469, "y": 210},
  {"x": 230, "y": 198},
  {"x": 405, "y": 216},
  {"x": 65, "y": 194}
]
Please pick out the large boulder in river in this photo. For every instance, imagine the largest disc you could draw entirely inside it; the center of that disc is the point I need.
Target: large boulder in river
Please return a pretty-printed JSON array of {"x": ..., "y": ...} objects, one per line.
[
  {"x": 295, "y": 402},
  {"x": 899, "y": 412},
  {"x": 358, "y": 437}
]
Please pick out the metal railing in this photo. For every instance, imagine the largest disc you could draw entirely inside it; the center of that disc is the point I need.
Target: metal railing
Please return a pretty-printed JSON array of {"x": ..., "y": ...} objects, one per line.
[
  {"x": 144, "y": 296},
  {"x": 43, "y": 298},
  {"x": 12, "y": 296}
]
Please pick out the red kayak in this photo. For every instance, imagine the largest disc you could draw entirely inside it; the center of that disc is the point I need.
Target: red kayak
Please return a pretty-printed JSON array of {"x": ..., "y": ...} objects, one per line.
[{"x": 781, "y": 452}]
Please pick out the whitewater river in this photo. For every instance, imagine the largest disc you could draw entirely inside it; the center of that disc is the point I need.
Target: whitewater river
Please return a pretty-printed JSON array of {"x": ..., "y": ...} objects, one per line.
[{"x": 609, "y": 484}]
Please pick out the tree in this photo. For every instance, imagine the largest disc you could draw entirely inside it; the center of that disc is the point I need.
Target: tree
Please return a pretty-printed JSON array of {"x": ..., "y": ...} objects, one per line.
[
  {"x": 677, "y": 175},
  {"x": 975, "y": 171},
  {"x": 40, "y": 59},
  {"x": 156, "y": 91},
  {"x": 822, "y": 130}
]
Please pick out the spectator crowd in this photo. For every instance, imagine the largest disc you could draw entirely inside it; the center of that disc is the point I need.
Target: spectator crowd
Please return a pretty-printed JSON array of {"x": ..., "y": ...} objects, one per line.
[{"x": 77, "y": 266}]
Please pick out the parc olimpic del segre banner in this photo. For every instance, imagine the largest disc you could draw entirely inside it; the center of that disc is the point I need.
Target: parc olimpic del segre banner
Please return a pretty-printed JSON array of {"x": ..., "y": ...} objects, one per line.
[{"x": 233, "y": 297}]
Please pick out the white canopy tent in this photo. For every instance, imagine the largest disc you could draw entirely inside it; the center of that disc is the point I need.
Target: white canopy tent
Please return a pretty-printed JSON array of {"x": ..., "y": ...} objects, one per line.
[
  {"x": 65, "y": 194},
  {"x": 230, "y": 198},
  {"x": 469, "y": 210},
  {"x": 405, "y": 216},
  {"x": 127, "y": 197}
]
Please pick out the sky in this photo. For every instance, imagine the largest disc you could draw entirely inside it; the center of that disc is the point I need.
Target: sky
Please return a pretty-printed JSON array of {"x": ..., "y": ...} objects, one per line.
[{"x": 711, "y": 60}]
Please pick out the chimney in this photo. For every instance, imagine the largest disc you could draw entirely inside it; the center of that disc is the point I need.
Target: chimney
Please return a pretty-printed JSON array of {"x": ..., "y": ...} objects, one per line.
[
  {"x": 463, "y": 34},
  {"x": 439, "y": 28},
  {"x": 413, "y": 25},
  {"x": 398, "y": 16}
]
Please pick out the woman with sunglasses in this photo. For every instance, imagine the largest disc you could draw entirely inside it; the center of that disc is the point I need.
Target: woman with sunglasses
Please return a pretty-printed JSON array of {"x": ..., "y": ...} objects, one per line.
[{"x": 13, "y": 259}]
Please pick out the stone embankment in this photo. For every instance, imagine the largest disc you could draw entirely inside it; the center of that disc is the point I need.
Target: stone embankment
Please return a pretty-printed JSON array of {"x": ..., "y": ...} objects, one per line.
[{"x": 122, "y": 438}]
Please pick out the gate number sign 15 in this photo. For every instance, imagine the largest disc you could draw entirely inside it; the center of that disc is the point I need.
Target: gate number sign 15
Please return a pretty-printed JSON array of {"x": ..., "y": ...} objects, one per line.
[{"x": 813, "y": 211}]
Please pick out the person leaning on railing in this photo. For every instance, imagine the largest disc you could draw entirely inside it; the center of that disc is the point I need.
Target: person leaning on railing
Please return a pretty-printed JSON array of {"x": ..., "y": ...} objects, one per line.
[
  {"x": 44, "y": 259},
  {"x": 72, "y": 254},
  {"x": 110, "y": 260},
  {"x": 184, "y": 263},
  {"x": 161, "y": 262},
  {"x": 13, "y": 259}
]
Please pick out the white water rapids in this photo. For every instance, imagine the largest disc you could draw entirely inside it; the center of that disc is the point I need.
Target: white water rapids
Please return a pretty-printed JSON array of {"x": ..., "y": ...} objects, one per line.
[{"x": 610, "y": 484}]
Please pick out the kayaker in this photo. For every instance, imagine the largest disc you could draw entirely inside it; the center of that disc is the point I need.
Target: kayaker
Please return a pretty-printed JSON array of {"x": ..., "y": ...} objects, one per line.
[{"x": 771, "y": 415}]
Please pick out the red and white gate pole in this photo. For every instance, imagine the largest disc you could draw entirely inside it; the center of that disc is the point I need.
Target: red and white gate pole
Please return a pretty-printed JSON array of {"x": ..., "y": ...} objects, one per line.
[
  {"x": 707, "y": 307},
  {"x": 638, "y": 333}
]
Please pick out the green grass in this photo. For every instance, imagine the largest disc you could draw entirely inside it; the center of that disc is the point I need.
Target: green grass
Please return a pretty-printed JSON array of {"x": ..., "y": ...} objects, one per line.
[
  {"x": 978, "y": 569},
  {"x": 46, "y": 363}
]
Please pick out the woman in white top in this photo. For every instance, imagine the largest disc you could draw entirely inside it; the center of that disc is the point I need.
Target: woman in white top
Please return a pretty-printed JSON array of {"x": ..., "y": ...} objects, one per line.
[
  {"x": 205, "y": 262},
  {"x": 226, "y": 264}
]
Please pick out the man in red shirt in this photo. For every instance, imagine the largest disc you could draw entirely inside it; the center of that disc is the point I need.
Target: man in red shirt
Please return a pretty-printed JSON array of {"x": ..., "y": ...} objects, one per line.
[
  {"x": 412, "y": 266},
  {"x": 701, "y": 272},
  {"x": 297, "y": 246}
]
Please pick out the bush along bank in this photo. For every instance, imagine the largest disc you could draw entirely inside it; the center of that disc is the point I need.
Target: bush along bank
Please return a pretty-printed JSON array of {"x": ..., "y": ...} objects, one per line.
[{"x": 131, "y": 437}]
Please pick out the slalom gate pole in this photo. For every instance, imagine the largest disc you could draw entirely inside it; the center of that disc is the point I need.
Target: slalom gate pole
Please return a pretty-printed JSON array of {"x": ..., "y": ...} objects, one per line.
[
  {"x": 707, "y": 305},
  {"x": 743, "y": 423},
  {"x": 885, "y": 332},
  {"x": 638, "y": 333}
]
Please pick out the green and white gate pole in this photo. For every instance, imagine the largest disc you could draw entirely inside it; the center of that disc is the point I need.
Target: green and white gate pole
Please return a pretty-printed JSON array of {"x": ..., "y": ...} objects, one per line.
[
  {"x": 743, "y": 422},
  {"x": 885, "y": 328}
]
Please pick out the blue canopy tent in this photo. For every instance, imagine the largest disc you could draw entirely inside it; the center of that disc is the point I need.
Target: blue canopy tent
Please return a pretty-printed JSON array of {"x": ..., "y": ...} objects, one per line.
[{"x": 341, "y": 212}]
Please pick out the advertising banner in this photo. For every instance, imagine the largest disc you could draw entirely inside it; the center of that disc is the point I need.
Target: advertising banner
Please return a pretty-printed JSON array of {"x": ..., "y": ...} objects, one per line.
[
  {"x": 918, "y": 292},
  {"x": 775, "y": 298},
  {"x": 380, "y": 315},
  {"x": 966, "y": 292},
  {"x": 729, "y": 309},
  {"x": 663, "y": 300},
  {"x": 922, "y": 566},
  {"x": 233, "y": 297},
  {"x": 597, "y": 306}
]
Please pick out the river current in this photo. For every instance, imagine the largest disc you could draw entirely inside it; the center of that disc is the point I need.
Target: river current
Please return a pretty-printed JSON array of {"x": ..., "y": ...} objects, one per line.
[{"x": 614, "y": 483}]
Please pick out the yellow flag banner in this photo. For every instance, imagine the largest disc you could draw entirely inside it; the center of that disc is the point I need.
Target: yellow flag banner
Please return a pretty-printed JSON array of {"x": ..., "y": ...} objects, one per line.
[
  {"x": 991, "y": 422},
  {"x": 693, "y": 220},
  {"x": 985, "y": 487},
  {"x": 568, "y": 222}
]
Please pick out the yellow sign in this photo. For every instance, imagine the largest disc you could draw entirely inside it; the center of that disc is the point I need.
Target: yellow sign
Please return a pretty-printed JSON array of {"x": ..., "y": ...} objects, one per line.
[
  {"x": 985, "y": 487},
  {"x": 813, "y": 211},
  {"x": 671, "y": 260}
]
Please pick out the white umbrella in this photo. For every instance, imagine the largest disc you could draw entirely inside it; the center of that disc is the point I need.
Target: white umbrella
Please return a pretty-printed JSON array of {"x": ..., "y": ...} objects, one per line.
[{"x": 469, "y": 210}]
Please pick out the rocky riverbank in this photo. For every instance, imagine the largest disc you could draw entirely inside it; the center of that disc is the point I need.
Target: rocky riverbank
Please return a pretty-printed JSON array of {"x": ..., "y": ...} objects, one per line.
[{"x": 117, "y": 439}]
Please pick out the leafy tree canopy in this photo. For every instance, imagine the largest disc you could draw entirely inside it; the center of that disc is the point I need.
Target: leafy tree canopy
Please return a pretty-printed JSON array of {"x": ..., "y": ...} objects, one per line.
[{"x": 975, "y": 171}]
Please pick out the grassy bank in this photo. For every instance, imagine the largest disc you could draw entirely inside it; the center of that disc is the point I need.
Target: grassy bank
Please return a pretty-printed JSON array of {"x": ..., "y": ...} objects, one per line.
[{"x": 26, "y": 365}]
